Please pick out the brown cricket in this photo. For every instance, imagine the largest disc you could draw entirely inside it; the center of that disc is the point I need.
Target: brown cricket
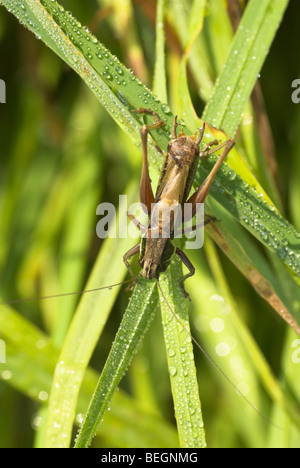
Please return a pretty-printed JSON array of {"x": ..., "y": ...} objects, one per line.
[{"x": 175, "y": 182}]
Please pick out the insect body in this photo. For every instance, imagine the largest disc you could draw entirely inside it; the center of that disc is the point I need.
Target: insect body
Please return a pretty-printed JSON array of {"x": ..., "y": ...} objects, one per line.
[{"x": 175, "y": 182}]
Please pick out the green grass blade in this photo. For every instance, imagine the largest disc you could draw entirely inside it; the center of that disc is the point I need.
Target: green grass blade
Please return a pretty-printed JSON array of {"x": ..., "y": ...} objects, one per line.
[
  {"x": 185, "y": 105},
  {"x": 135, "y": 321},
  {"x": 159, "y": 79},
  {"x": 195, "y": 23},
  {"x": 180, "y": 12},
  {"x": 247, "y": 54},
  {"x": 180, "y": 357}
]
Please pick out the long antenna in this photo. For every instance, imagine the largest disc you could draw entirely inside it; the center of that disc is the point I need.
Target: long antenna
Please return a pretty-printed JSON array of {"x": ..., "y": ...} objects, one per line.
[{"x": 31, "y": 299}]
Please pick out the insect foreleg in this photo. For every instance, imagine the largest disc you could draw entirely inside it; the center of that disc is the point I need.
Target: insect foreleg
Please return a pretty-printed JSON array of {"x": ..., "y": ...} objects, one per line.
[
  {"x": 138, "y": 224},
  {"x": 208, "y": 219},
  {"x": 131, "y": 252},
  {"x": 207, "y": 150}
]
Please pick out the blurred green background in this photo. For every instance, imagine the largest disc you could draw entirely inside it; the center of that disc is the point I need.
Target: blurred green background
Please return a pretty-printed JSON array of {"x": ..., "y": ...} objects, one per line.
[{"x": 62, "y": 154}]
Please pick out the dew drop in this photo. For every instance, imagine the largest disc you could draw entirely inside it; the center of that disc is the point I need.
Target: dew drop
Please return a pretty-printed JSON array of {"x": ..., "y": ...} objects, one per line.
[{"x": 165, "y": 108}]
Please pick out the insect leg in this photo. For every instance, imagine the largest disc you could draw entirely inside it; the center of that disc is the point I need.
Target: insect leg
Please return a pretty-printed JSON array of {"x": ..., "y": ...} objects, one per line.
[
  {"x": 207, "y": 150},
  {"x": 209, "y": 219},
  {"x": 201, "y": 134},
  {"x": 200, "y": 195},
  {"x": 190, "y": 267},
  {"x": 137, "y": 222},
  {"x": 174, "y": 128},
  {"x": 146, "y": 193},
  {"x": 131, "y": 252}
]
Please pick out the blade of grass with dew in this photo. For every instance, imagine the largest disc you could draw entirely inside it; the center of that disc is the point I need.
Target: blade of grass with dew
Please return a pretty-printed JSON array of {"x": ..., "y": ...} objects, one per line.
[
  {"x": 180, "y": 357},
  {"x": 30, "y": 372},
  {"x": 135, "y": 322},
  {"x": 218, "y": 36},
  {"x": 252, "y": 208}
]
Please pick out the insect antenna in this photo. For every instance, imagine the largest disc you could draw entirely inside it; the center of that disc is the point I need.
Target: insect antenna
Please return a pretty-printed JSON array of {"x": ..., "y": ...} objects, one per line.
[
  {"x": 31, "y": 299},
  {"x": 213, "y": 362}
]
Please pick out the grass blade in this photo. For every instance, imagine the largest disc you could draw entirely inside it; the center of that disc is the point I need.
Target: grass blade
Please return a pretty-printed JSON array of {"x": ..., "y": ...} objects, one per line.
[
  {"x": 247, "y": 54},
  {"x": 134, "y": 324},
  {"x": 159, "y": 79},
  {"x": 180, "y": 357}
]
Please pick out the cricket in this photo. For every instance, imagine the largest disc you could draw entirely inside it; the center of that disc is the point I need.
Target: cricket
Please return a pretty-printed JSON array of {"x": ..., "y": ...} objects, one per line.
[{"x": 175, "y": 182}]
